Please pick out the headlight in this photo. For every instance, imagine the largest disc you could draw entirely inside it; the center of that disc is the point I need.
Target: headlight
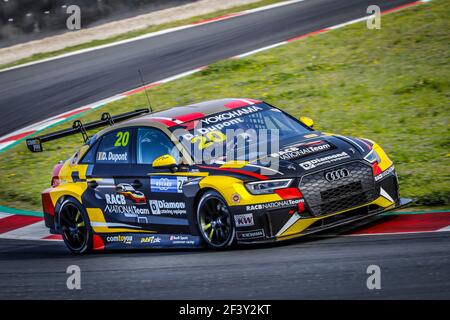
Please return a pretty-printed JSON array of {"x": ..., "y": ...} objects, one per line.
[
  {"x": 265, "y": 187},
  {"x": 372, "y": 157}
]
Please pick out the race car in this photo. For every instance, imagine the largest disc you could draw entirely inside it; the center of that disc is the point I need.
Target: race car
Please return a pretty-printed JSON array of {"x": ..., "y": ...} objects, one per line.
[{"x": 215, "y": 174}]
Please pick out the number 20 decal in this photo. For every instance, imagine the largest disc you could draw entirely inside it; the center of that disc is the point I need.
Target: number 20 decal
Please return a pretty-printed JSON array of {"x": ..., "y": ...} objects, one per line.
[
  {"x": 122, "y": 139},
  {"x": 208, "y": 140}
]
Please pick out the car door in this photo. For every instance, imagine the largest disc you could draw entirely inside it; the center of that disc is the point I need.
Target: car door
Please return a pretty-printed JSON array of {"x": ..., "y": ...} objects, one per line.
[
  {"x": 163, "y": 189},
  {"x": 112, "y": 185}
]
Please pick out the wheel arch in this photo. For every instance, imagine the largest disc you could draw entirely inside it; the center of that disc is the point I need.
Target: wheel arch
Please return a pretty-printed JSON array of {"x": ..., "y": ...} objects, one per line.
[
  {"x": 197, "y": 199},
  {"x": 58, "y": 207},
  {"x": 199, "y": 195}
]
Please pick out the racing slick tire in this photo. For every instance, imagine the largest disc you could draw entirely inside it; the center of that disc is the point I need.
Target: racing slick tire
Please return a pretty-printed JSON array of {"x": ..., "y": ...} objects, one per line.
[
  {"x": 215, "y": 222},
  {"x": 75, "y": 226}
]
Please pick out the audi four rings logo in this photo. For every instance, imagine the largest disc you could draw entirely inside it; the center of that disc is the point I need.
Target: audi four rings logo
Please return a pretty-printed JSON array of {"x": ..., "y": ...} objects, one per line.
[{"x": 337, "y": 174}]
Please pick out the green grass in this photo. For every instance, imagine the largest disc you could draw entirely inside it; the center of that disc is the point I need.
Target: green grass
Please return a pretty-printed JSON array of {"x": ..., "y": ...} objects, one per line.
[
  {"x": 132, "y": 34},
  {"x": 389, "y": 85}
]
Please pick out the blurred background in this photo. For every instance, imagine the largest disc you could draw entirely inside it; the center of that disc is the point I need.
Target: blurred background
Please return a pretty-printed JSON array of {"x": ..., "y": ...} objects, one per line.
[{"x": 25, "y": 20}]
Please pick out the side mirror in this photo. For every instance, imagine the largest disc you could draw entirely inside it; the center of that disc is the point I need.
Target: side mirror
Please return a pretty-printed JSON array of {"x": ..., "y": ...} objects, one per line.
[
  {"x": 307, "y": 121},
  {"x": 165, "y": 162}
]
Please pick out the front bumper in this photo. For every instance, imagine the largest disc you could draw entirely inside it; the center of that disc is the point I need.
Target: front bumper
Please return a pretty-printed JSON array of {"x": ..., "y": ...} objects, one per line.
[
  {"x": 326, "y": 206},
  {"x": 332, "y": 221}
]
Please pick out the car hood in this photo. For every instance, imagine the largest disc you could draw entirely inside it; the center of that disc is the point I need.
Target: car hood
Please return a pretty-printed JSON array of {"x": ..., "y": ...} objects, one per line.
[{"x": 308, "y": 153}]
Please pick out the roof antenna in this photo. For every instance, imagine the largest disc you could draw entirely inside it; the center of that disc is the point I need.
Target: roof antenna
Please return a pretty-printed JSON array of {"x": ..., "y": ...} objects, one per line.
[{"x": 145, "y": 89}]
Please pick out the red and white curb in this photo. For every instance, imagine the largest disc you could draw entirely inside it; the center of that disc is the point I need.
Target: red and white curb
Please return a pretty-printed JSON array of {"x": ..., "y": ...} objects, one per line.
[
  {"x": 407, "y": 224},
  {"x": 17, "y": 136},
  {"x": 21, "y": 227},
  {"x": 14, "y": 226}
]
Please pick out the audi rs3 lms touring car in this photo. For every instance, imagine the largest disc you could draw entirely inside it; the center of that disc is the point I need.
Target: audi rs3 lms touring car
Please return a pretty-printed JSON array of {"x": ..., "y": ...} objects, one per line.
[{"x": 215, "y": 174}]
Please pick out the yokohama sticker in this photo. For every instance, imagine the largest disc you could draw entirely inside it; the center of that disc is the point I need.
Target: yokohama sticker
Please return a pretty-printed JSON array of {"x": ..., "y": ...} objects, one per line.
[
  {"x": 243, "y": 235},
  {"x": 384, "y": 173},
  {"x": 307, "y": 165},
  {"x": 222, "y": 120},
  {"x": 221, "y": 117}
]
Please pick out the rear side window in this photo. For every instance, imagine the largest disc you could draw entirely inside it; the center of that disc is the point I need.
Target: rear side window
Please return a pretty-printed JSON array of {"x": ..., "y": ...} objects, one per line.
[
  {"x": 114, "y": 148},
  {"x": 89, "y": 157}
]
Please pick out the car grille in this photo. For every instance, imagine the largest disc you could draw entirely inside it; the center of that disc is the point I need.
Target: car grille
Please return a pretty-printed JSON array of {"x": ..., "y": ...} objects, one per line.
[{"x": 326, "y": 197}]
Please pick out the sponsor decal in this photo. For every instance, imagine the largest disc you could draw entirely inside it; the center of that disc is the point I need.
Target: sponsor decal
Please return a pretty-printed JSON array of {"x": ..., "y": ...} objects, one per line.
[
  {"x": 250, "y": 234},
  {"x": 236, "y": 198},
  {"x": 221, "y": 117},
  {"x": 244, "y": 220},
  {"x": 302, "y": 149},
  {"x": 35, "y": 144},
  {"x": 111, "y": 156},
  {"x": 167, "y": 184},
  {"x": 151, "y": 239},
  {"x": 115, "y": 199},
  {"x": 126, "y": 210},
  {"x": 222, "y": 120},
  {"x": 130, "y": 193},
  {"x": 337, "y": 174},
  {"x": 120, "y": 238},
  {"x": 273, "y": 205},
  {"x": 385, "y": 173},
  {"x": 159, "y": 207},
  {"x": 307, "y": 165},
  {"x": 181, "y": 239}
]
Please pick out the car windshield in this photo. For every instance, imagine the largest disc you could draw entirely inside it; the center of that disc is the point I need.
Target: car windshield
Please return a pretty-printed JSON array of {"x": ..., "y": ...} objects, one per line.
[{"x": 245, "y": 133}]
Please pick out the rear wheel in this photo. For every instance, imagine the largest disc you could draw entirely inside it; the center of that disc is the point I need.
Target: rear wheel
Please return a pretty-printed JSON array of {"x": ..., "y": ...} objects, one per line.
[
  {"x": 75, "y": 226},
  {"x": 215, "y": 222}
]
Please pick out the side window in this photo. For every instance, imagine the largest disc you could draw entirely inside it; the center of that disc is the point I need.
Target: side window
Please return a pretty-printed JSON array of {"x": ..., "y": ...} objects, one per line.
[
  {"x": 89, "y": 157},
  {"x": 114, "y": 148},
  {"x": 153, "y": 143}
]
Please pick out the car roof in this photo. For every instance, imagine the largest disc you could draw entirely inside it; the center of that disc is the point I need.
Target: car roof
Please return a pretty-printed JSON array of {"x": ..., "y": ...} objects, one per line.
[
  {"x": 178, "y": 115},
  {"x": 194, "y": 111}
]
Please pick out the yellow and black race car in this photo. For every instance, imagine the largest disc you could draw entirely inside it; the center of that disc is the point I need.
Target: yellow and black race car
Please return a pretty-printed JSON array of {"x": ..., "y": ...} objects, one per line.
[{"x": 215, "y": 173}]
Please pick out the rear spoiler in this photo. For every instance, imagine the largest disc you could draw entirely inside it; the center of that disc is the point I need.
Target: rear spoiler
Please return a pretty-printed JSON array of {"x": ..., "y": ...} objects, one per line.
[{"x": 35, "y": 144}]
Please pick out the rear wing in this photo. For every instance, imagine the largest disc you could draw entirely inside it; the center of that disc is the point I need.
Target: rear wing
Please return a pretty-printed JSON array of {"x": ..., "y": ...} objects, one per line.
[{"x": 35, "y": 144}]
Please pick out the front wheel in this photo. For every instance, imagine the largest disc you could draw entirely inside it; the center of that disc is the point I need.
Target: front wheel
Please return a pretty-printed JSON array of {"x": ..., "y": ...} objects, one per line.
[
  {"x": 215, "y": 221},
  {"x": 75, "y": 226}
]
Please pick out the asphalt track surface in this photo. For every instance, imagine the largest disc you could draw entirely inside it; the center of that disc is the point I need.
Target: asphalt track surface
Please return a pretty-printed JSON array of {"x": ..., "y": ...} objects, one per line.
[
  {"x": 36, "y": 92},
  {"x": 412, "y": 265}
]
